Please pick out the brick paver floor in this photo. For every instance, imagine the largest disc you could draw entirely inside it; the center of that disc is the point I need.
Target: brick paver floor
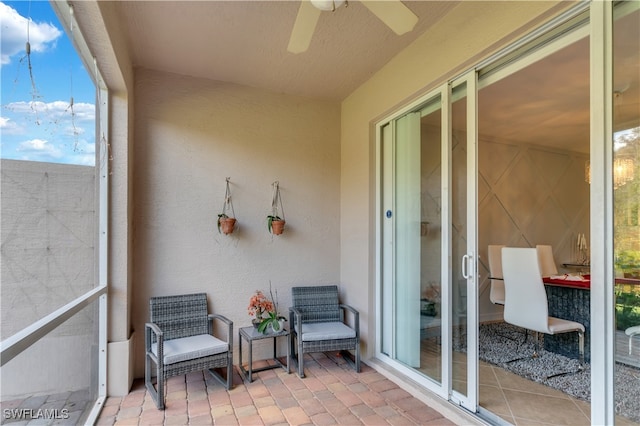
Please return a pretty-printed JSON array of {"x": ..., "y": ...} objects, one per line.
[{"x": 331, "y": 393}]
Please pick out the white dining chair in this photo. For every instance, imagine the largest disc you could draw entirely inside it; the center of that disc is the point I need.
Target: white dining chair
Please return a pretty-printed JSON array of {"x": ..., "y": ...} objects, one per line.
[
  {"x": 496, "y": 292},
  {"x": 547, "y": 263},
  {"x": 526, "y": 303},
  {"x": 632, "y": 331}
]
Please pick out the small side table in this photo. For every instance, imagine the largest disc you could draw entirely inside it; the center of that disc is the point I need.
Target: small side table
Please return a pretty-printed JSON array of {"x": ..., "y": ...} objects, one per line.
[{"x": 250, "y": 334}]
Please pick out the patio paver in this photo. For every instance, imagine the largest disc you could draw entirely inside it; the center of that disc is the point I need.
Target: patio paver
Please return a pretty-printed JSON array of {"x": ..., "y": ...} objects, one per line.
[{"x": 332, "y": 393}]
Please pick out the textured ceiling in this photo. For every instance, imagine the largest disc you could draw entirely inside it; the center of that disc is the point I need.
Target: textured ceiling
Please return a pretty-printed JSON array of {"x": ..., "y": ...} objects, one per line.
[{"x": 245, "y": 42}]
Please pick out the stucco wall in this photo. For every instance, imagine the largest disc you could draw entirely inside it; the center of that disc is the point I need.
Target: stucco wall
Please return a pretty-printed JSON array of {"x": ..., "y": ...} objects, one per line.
[
  {"x": 480, "y": 29},
  {"x": 190, "y": 135}
]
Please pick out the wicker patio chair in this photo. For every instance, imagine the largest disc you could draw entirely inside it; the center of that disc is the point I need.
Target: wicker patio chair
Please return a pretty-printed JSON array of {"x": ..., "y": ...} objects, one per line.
[
  {"x": 317, "y": 319},
  {"x": 179, "y": 340}
]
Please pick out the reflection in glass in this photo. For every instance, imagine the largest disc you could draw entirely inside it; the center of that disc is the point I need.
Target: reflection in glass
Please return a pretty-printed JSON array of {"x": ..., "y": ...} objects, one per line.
[
  {"x": 626, "y": 170},
  {"x": 459, "y": 237},
  {"x": 431, "y": 241},
  {"x": 417, "y": 244}
]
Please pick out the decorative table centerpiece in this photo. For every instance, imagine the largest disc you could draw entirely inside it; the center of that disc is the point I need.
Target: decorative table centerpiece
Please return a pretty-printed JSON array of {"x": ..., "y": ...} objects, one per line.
[{"x": 265, "y": 312}]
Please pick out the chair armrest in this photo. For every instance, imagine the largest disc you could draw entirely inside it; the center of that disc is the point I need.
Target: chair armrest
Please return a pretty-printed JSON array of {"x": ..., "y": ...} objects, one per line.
[
  {"x": 356, "y": 316},
  {"x": 225, "y": 320},
  {"x": 153, "y": 328},
  {"x": 295, "y": 318},
  {"x": 149, "y": 329}
]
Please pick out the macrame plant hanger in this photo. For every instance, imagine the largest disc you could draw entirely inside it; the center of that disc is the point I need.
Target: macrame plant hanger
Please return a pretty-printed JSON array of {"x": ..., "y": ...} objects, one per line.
[
  {"x": 276, "y": 220},
  {"x": 226, "y": 222}
]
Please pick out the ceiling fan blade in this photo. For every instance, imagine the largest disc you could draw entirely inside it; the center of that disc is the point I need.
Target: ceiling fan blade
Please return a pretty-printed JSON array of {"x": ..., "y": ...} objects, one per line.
[
  {"x": 396, "y": 15},
  {"x": 304, "y": 27}
]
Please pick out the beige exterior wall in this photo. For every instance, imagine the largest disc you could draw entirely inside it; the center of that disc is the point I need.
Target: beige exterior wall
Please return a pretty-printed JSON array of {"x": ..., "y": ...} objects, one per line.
[
  {"x": 481, "y": 28},
  {"x": 190, "y": 135},
  {"x": 109, "y": 46}
]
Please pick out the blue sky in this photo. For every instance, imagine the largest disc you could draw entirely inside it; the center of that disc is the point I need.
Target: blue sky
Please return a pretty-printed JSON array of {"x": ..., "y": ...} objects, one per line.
[{"x": 40, "y": 124}]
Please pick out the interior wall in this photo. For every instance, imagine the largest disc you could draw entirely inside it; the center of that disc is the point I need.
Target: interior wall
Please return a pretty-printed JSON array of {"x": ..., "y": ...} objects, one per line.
[
  {"x": 190, "y": 135},
  {"x": 552, "y": 210},
  {"x": 431, "y": 214},
  {"x": 481, "y": 28}
]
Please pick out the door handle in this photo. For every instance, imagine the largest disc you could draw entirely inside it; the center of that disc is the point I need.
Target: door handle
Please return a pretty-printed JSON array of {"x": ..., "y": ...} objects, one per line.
[
  {"x": 464, "y": 267},
  {"x": 467, "y": 265}
]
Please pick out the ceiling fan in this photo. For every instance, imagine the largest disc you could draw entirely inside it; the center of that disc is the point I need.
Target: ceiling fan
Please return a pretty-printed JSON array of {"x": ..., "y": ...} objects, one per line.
[{"x": 393, "y": 13}]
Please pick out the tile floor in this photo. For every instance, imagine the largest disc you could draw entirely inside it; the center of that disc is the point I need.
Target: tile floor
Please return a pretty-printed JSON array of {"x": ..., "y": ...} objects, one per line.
[
  {"x": 514, "y": 399},
  {"x": 66, "y": 408},
  {"x": 523, "y": 402},
  {"x": 332, "y": 393}
]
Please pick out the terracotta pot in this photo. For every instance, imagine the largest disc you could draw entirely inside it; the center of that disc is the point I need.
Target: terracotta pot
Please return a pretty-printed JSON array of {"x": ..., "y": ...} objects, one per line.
[
  {"x": 227, "y": 224},
  {"x": 277, "y": 226}
]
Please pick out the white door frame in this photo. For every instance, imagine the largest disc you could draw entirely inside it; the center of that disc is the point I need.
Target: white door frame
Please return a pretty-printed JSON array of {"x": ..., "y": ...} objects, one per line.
[
  {"x": 469, "y": 262},
  {"x": 384, "y": 343}
]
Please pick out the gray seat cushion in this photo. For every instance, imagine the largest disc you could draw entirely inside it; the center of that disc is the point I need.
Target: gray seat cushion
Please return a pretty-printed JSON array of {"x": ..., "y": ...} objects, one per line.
[
  {"x": 188, "y": 348},
  {"x": 315, "y": 331}
]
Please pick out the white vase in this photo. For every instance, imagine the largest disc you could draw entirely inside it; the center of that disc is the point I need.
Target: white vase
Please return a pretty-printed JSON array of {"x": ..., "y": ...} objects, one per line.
[{"x": 280, "y": 326}]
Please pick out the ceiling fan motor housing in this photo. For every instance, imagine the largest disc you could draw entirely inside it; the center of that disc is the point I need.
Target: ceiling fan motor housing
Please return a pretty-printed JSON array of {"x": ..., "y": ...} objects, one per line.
[{"x": 327, "y": 4}]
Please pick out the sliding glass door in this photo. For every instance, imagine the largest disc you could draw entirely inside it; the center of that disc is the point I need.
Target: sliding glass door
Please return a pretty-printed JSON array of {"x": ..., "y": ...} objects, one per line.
[
  {"x": 427, "y": 163},
  {"x": 553, "y": 159},
  {"x": 463, "y": 241},
  {"x": 626, "y": 211},
  {"x": 411, "y": 217}
]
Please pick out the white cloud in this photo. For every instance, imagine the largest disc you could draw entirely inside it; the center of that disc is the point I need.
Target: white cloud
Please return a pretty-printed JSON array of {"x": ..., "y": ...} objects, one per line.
[
  {"x": 83, "y": 147},
  {"x": 74, "y": 131},
  {"x": 10, "y": 127},
  {"x": 55, "y": 110},
  {"x": 38, "y": 148},
  {"x": 14, "y": 34},
  {"x": 53, "y": 118},
  {"x": 56, "y": 132},
  {"x": 84, "y": 111}
]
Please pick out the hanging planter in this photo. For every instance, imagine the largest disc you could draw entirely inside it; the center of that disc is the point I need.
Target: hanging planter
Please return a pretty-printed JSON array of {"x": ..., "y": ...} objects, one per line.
[
  {"x": 275, "y": 221},
  {"x": 226, "y": 223},
  {"x": 276, "y": 225}
]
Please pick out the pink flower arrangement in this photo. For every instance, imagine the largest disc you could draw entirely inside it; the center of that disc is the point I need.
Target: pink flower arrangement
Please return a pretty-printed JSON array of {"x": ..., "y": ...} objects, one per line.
[{"x": 259, "y": 305}]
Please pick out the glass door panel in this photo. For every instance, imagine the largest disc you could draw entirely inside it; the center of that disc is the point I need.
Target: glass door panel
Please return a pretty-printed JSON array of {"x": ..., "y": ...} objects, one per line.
[
  {"x": 431, "y": 309},
  {"x": 626, "y": 199},
  {"x": 428, "y": 228},
  {"x": 463, "y": 241},
  {"x": 533, "y": 149},
  {"x": 458, "y": 235},
  {"x": 407, "y": 241},
  {"x": 411, "y": 290}
]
